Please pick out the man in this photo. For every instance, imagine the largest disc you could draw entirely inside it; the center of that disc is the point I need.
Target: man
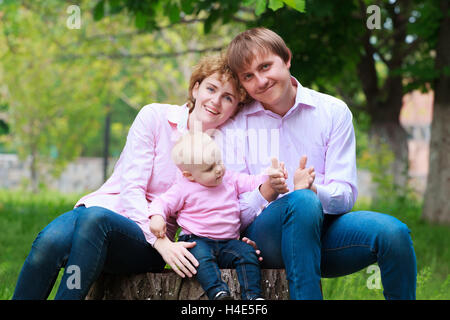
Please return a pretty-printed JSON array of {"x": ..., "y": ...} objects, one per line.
[{"x": 311, "y": 233}]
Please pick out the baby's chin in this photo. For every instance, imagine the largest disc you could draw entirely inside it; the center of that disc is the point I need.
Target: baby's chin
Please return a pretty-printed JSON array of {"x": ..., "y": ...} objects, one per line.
[{"x": 214, "y": 183}]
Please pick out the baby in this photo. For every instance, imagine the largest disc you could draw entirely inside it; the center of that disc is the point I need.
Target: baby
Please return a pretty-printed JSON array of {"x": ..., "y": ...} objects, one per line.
[{"x": 205, "y": 201}]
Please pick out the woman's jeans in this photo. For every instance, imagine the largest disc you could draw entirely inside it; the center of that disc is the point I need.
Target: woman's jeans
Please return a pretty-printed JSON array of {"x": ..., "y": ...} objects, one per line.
[
  {"x": 215, "y": 254},
  {"x": 293, "y": 233},
  {"x": 86, "y": 241}
]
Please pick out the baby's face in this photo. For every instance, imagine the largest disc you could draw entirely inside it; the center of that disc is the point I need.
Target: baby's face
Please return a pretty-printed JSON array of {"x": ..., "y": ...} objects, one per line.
[
  {"x": 211, "y": 171},
  {"x": 208, "y": 174}
]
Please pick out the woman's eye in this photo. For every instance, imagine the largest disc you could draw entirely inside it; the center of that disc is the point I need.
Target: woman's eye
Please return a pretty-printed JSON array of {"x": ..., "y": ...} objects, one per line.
[
  {"x": 229, "y": 99},
  {"x": 210, "y": 89}
]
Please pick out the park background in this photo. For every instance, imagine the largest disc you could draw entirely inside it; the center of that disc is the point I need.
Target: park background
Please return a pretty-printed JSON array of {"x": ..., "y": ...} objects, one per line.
[{"x": 74, "y": 74}]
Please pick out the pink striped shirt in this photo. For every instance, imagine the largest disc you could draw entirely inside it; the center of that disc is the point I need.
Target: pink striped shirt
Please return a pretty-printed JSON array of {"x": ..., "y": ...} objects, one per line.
[
  {"x": 145, "y": 169},
  {"x": 211, "y": 212}
]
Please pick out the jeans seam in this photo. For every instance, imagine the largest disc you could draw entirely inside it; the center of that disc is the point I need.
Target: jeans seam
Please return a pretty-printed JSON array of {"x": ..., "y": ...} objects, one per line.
[
  {"x": 244, "y": 274},
  {"x": 350, "y": 246}
]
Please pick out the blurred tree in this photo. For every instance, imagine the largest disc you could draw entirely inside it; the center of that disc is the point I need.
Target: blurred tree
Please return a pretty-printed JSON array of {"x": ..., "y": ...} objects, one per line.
[
  {"x": 44, "y": 98},
  {"x": 436, "y": 204},
  {"x": 337, "y": 50}
]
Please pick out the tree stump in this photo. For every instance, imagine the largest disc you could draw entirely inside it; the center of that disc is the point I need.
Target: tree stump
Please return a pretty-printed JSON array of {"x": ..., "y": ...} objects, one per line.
[{"x": 169, "y": 286}]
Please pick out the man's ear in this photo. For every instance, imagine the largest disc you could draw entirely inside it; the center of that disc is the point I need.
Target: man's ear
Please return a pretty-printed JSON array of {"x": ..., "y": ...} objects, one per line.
[
  {"x": 188, "y": 175},
  {"x": 195, "y": 90},
  {"x": 288, "y": 63}
]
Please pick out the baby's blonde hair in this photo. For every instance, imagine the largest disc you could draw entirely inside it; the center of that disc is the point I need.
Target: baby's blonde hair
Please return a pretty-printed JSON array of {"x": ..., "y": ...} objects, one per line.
[{"x": 195, "y": 148}]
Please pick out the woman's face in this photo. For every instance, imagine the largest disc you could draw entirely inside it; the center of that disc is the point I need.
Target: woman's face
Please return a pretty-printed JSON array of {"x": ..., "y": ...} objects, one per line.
[{"x": 215, "y": 102}]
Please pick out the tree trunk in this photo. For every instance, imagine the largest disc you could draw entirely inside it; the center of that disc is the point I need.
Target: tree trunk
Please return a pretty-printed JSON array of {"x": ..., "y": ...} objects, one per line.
[
  {"x": 436, "y": 202},
  {"x": 169, "y": 286},
  {"x": 395, "y": 137},
  {"x": 384, "y": 106}
]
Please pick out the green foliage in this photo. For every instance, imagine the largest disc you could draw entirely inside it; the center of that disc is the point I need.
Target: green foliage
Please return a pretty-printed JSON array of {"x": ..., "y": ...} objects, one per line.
[
  {"x": 22, "y": 217},
  {"x": 147, "y": 14}
]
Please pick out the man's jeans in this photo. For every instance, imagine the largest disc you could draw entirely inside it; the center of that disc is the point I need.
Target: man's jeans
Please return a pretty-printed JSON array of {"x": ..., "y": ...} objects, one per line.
[
  {"x": 86, "y": 241},
  {"x": 293, "y": 233},
  {"x": 215, "y": 254}
]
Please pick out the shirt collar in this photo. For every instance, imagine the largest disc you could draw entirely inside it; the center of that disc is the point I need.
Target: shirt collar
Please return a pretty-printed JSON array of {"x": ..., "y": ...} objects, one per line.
[
  {"x": 178, "y": 115},
  {"x": 303, "y": 98}
]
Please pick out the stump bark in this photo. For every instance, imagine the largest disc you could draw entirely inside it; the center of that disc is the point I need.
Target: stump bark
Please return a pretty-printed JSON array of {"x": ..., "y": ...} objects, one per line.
[{"x": 169, "y": 286}]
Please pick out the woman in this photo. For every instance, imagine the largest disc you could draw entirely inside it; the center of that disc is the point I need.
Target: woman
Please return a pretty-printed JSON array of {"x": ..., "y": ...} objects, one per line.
[{"x": 108, "y": 230}]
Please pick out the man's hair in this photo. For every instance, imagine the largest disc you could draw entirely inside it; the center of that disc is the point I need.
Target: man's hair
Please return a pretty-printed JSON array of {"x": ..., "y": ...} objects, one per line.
[
  {"x": 209, "y": 65},
  {"x": 249, "y": 43}
]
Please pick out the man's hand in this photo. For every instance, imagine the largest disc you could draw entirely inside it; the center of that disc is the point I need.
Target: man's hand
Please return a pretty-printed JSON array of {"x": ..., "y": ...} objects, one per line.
[
  {"x": 158, "y": 226},
  {"x": 304, "y": 177},
  {"x": 253, "y": 244}
]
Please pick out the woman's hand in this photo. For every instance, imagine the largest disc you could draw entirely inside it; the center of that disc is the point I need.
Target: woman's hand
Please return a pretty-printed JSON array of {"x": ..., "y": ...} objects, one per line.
[
  {"x": 253, "y": 244},
  {"x": 177, "y": 256}
]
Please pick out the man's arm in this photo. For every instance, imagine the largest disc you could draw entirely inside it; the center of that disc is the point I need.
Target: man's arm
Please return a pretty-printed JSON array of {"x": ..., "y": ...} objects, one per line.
[{"x": 339, "y": 191}]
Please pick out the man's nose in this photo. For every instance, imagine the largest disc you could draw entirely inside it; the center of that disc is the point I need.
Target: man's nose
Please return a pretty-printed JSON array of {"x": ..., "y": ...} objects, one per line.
[{"x": 261, "y": 81}]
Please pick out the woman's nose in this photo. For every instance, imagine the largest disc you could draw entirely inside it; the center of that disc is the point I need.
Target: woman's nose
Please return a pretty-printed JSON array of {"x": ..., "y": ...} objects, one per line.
[{"x": 216, "y": 99}]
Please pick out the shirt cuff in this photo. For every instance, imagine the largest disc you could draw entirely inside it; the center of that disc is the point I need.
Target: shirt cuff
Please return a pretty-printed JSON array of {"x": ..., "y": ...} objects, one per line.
[
  {"x": 323, "y": 195},
  {"x": 257, "y": 201}
]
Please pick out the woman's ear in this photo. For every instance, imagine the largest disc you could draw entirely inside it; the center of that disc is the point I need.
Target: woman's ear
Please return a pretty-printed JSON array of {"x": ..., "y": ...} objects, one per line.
[{"x": 195, "y": 90}]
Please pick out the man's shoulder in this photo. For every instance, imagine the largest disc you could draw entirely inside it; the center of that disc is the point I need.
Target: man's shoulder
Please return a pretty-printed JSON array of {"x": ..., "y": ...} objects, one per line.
[{"x": 326, "y": 102}]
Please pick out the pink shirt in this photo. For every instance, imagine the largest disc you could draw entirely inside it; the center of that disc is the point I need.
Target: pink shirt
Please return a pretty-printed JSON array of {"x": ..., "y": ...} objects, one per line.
[
  {"x": 145, "y": 169},
  {"x": 318, "y": 126},
  {"x": 211, "y": 212}
]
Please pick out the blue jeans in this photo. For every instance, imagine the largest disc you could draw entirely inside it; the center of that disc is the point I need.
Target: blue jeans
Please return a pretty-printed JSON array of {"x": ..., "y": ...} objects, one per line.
[
  {"x": 215, "y": 254},
  {"x": 293, "y": 233},
  {"x": 86, "y": 241}
]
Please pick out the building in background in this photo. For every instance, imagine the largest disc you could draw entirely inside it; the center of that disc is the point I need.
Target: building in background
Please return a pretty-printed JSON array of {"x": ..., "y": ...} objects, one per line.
[{"x": 416, "y": 117}]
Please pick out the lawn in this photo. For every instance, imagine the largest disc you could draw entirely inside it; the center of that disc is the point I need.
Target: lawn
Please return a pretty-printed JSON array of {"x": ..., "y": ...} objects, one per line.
[{"x": 23, "y": 215}]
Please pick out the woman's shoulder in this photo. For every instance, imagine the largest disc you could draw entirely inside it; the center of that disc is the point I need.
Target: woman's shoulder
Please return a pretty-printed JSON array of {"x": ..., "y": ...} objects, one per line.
[
  {"x": 160, "y": 111},
  {"x": 158, "y": 108}
]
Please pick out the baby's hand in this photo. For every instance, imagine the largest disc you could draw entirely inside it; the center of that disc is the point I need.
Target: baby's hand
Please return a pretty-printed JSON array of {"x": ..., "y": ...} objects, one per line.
[
  {"x": 158, "y": 226},
  {"x": 304, "y": 177},
  {"x": 277, "y": 177}
]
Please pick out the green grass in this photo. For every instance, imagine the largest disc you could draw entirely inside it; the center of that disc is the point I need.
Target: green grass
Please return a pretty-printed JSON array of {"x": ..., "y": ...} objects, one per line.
[{"x": 23, "y": 215}]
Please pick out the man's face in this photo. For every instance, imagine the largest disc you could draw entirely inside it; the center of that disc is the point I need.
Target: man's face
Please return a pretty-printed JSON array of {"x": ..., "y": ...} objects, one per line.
[{"x": 267, "y": 79}]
